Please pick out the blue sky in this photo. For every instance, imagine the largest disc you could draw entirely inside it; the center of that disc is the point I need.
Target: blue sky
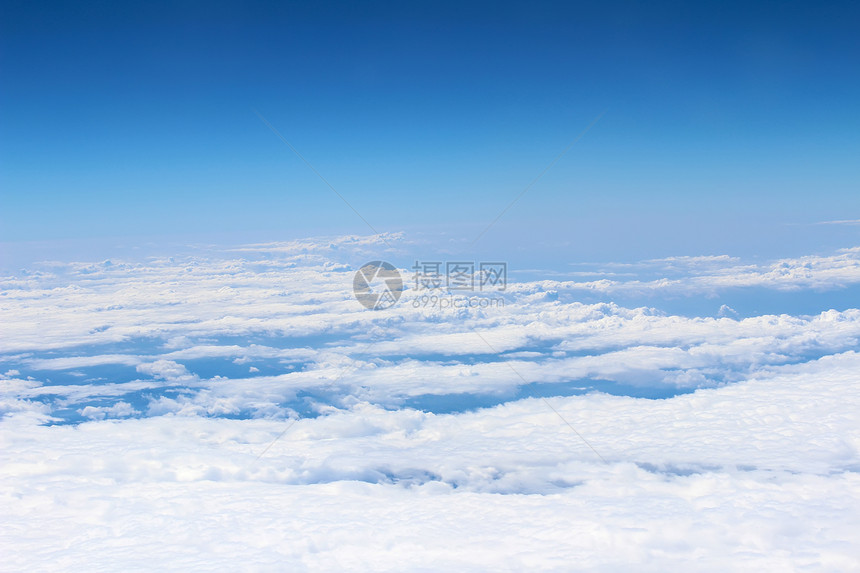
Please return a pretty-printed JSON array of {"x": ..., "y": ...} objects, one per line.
[{"x": 727, "y": 127}]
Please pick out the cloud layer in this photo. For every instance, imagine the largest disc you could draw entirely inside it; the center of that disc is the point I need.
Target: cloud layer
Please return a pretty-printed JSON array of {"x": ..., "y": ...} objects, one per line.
[{"x": 243, "y": 411}]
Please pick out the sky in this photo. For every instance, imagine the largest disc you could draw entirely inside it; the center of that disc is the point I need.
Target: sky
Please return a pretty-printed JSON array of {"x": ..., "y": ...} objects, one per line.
[
  {"x": 733, "y": 125},
  {"x": 196, "y": 368}
]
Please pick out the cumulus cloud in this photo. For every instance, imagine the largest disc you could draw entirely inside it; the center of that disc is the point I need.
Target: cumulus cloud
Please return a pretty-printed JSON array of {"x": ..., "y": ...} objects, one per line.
[
  {"x": 118, "y": 410},
  {"x": 712, "y": 274},
  {"x": 765, "y": 466},
  {"x": 166, "y": 370},
  {"x": 159, "y": 384}
]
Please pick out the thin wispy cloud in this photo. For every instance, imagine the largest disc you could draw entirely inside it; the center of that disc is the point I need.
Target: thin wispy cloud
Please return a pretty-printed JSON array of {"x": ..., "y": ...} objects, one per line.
[{"x": 840, "y": 222}]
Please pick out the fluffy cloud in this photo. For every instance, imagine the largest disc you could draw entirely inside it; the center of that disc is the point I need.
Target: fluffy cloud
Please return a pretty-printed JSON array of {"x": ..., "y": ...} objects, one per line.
[
  {"x": 118, "y": 410},
  {"x": 166, "y": 370},
  {"x": 138, "y": 398},
  {"x": 709, "y": 276},
  {"x": 754, "y": 475}
]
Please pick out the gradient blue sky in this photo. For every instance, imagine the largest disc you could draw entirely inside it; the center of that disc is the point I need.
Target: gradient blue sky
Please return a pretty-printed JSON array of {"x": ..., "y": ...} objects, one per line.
[{"x": 728, "y": 127}]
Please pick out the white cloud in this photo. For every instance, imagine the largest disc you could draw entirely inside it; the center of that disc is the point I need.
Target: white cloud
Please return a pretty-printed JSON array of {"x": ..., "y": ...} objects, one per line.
[
  {"x": 762, "y": 474},
  {"x": 166, "y": 370},
  {"x": 841, "y": 222},
  {"x": 757, "y": 469},
  {"x": 69, "y": 362},
  {"x": 710, "y": 275},
  {"x": 118, "y": 410}
]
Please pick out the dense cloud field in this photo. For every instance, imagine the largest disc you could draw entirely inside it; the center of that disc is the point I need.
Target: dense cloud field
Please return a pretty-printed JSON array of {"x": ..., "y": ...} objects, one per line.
[{"x": 238, "y": 409}]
